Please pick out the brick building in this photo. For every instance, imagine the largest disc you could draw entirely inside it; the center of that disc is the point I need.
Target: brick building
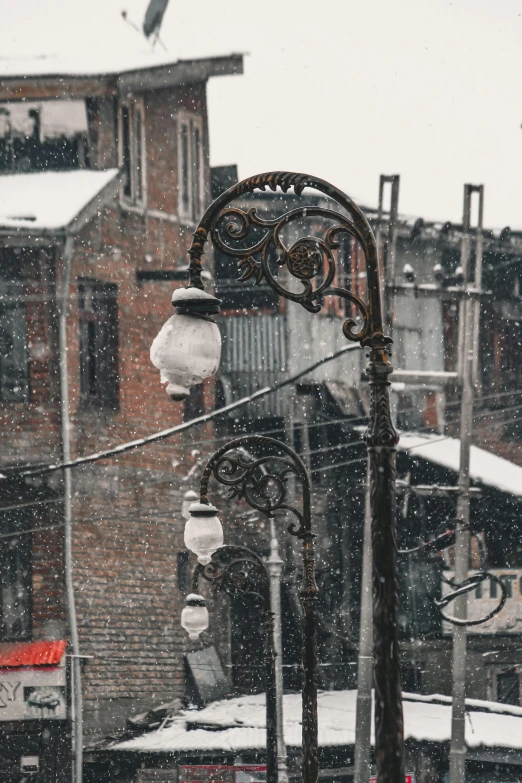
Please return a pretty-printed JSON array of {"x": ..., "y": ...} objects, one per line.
[{"x": 102, "y": 178}]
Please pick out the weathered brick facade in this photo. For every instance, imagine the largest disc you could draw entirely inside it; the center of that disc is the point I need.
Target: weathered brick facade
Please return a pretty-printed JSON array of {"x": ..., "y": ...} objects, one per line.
[{"x": 127, "y": 526}]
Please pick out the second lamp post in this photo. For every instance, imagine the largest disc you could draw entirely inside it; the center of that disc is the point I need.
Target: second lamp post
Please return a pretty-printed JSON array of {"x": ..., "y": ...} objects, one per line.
[{"x": 257, "y": 469}]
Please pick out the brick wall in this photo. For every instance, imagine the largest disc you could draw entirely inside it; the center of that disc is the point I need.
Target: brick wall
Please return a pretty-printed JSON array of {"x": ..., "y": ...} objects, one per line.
[{"x": 127, "y": 526}]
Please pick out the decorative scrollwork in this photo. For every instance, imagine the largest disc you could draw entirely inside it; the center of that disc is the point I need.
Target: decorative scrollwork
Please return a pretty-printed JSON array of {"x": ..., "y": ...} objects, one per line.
[
  {"x": 237, "y": 571},
  {"x": 261, "y": 481},
  {"x": 307, "y": 259},
  {"x": 258, "y": 246}
]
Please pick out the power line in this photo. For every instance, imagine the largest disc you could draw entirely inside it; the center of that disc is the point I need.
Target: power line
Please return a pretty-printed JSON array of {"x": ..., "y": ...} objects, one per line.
[{"x": 39, "y": 470}]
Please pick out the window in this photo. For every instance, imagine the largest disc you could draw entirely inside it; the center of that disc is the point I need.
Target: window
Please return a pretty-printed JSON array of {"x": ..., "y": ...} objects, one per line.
[
  {"x": 98, "y": 320},
  {"x": 132, "y": 156},
  {"x": 15, "y": 586},
  {"x": 508, "y": 687},
  {"x": 13, "y": 343},
  {"x": 195, "y": 403},
  {"x": 190, "y": 167}
]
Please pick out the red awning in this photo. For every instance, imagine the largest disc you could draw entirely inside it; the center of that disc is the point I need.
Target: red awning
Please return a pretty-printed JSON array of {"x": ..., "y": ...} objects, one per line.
[{"x": 32, "y": 654}]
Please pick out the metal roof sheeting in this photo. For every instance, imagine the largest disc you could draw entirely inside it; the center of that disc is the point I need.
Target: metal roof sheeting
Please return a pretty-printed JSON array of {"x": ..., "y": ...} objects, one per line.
[{"x": 32, "y": 654}]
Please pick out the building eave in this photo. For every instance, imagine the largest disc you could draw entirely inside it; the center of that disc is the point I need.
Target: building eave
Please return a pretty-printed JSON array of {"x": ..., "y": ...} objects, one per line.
[
  {"x": 182, "y": 72},
  {"x": 69, "y": 86}
]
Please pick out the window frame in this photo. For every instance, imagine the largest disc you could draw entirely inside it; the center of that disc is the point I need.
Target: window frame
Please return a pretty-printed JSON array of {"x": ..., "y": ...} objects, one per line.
[
  {"x": 134, "y": 186},
  {"x": 11, "y": 309},
  {"x": 21, "y": 545},
  {"x": 108, "y": 371},
  {"x": 191, "y": 198}
]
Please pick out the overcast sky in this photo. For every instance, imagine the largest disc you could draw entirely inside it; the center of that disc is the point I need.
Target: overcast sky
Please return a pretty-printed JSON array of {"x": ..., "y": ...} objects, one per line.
[{"x": 428, "y": 89}]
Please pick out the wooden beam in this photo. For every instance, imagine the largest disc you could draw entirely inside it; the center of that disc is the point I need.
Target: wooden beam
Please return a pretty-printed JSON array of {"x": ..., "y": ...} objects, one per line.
[{"x": 56, "y": 87}]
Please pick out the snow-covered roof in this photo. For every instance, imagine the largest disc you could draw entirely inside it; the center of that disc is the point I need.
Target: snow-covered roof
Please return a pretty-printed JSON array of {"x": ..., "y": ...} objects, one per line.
[
  {"x": 485, "y": 467},
  {"x": 107, "y": 62},
  {"x": 239, "y": 724},
  {"x": 51, "y": 200}
]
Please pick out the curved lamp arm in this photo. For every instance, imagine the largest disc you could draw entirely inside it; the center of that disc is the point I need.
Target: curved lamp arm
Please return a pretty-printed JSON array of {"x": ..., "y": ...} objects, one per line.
[
  {"x": 248, "y": 238},
  {"x": 253, "y": 478},
  {"x": 237, "y": 571}
]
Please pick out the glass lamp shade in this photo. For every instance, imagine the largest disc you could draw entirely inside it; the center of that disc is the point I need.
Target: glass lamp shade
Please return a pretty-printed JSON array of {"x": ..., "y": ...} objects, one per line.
[
  {"x": 203, "y": 531},
  {"x": 188, "y": 499},
  {"x": 194, "y": 617},
  {"x": 188, "y": 347}
]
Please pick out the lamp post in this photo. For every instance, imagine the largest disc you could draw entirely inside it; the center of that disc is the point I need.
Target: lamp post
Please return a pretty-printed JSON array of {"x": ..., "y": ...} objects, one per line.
[
  {"x": 259, "y": 248},
  {"x": 239, "y": 572},
  {"x": 257, "y": 469}
]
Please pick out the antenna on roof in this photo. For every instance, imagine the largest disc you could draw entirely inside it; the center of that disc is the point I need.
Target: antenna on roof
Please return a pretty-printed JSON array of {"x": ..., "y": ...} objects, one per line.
[
  {"x": 125, "y": 16},
  {"x": 153, "y": 19}
]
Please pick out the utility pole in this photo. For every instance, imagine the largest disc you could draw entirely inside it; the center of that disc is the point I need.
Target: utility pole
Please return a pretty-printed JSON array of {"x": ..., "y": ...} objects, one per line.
[
  {"x": 468, "y": 369},
  {"x": 274, "y": 566},
  {"x": 388, "y": 257}
]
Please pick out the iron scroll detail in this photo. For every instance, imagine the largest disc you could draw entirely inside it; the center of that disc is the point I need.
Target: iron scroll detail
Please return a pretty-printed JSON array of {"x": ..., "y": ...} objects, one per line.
[
  {"x": 249, "y": 238},
  {"x": 261, "y": 481}
]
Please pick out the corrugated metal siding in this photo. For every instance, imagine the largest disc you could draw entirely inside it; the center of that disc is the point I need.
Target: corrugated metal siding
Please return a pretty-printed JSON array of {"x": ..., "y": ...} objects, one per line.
[
  {"x": 32, "y": 654},
  {"x": 254, "y": 355}
]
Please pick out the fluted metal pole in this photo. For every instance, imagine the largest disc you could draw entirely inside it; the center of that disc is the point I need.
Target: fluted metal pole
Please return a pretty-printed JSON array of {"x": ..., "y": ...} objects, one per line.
[
  {"x": 363, "y": 715},
  {"x": 274, "y": 566}
]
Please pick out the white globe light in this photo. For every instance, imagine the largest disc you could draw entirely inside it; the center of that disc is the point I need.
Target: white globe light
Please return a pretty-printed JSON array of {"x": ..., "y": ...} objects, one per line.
[
  {"x": 194, "y": 617},
  {"x": 203, "y": 531},
  {"x": 188, "y": 347}
]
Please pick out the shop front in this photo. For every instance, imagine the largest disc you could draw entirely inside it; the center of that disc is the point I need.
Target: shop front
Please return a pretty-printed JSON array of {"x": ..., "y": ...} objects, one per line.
[{"x": 34, "y": 735}]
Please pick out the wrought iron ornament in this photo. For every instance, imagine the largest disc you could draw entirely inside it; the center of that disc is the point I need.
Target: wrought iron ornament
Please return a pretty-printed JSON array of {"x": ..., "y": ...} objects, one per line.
[
  {"x": 253, "y": 242},
  {"x": 261, "y": 480},
  {"x": 442, "y": 541},
  {"x": 238, "y": 571}
]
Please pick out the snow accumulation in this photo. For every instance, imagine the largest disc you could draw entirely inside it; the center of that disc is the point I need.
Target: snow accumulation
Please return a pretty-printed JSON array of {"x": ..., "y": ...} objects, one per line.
[
  {"x": 485, "y": 467},
  {"x": 49, "y": 200},
  {"x": 99, "y": 63},
  {"x": 239, "y": 724}
]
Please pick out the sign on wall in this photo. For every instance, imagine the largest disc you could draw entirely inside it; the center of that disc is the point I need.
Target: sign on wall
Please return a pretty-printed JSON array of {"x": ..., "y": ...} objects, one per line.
[
  {"x": 486, "y": 597},
  {"x": 33, "y": 693}
]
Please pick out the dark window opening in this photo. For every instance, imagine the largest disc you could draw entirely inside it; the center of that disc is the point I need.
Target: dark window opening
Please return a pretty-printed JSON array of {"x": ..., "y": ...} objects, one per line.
[
  {"x": 13, "y": 343},
  {"x": 247, "y": 640},
  {"x": 194, "y": 403},
  {"x": 508, "y": 688},
  {"x": 183, "y": 572},
  {"x": 126, "y": 150},
  {"x": 190, "y": 167},
  {"x": 196, "y": 173},
  {"x": 411, "y": 677},
  {"x": 98, "y": 321},
  {"x": 132, "y": 152},
  {"x": 138, "y": 133},
  {"x": 15, "y": 582},
  {"x": 185, "y": 195}
]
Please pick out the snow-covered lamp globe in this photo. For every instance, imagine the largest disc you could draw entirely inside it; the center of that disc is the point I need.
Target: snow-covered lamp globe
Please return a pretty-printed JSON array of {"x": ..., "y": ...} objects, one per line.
[
  {"x": 203, "y": 531},
  {"x": 194, "y": 617},
  {"x": 188, "y": 347}
]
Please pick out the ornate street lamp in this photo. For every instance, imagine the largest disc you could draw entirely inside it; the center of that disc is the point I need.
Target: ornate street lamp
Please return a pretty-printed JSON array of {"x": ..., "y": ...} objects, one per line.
[
  {"x": 261, "y": 480},
  {"x": 239, "y": 572},
  {"x": 253, "y": 241}
]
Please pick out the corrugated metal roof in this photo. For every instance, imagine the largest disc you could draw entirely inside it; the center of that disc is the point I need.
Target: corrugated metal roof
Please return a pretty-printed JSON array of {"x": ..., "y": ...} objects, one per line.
[{"x": 32, "y": 654}]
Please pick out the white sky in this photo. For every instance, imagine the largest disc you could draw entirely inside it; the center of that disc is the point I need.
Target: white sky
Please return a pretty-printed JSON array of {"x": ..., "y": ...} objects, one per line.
[{"x": 428, "y": 89}]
